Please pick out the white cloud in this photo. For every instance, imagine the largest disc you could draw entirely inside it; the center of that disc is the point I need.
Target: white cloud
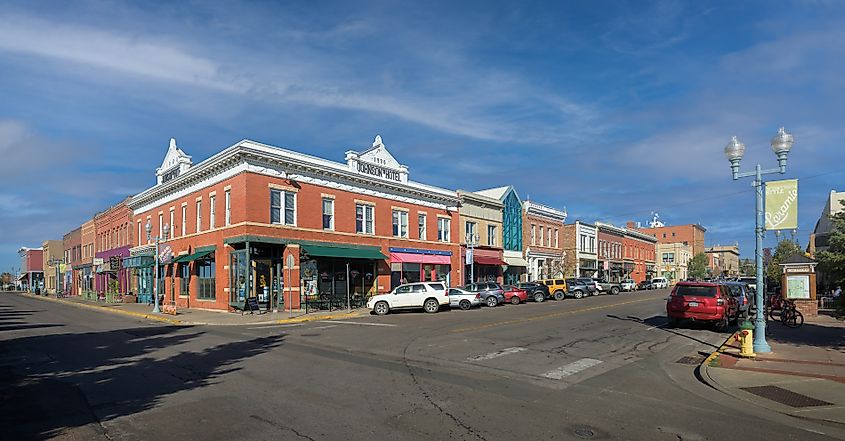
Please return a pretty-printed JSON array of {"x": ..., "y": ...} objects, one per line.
[{"x": 455, "y": 96}]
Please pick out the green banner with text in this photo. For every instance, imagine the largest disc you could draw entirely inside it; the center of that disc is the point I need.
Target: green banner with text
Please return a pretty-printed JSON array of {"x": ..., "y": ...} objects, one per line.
[{"x": 782, "y": 205}]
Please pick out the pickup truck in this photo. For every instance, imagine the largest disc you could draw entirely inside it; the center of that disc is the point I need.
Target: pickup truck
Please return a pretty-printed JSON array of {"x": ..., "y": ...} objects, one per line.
[{"x": 608, "y": 287}]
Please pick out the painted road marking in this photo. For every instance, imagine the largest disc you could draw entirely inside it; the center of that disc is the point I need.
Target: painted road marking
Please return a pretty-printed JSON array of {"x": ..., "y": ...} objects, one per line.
[
  {"x": 325, "y": 327},
  {"x": 547, "y": 316},
  {"x": 497, "y": 354},
  {"x": 275, "y": 326},
  {"x": 571, "y": 368},
  {"x": 357, "y": 323}
]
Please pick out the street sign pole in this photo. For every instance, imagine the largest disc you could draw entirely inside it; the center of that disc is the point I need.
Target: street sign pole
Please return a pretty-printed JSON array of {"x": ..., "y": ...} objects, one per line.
[{"x": 290, "y": 262}]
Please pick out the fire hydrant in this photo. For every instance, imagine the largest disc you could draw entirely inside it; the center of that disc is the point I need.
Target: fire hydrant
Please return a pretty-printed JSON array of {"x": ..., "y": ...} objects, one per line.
[{"x": 745, "y": 336}]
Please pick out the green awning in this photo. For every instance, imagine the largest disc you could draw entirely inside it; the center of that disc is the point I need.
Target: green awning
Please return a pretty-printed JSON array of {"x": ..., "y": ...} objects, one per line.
[
  {"x": 192, "y": 257},
  {"x": 138, "y": 262},
  {"x": 349, "y": 252}
]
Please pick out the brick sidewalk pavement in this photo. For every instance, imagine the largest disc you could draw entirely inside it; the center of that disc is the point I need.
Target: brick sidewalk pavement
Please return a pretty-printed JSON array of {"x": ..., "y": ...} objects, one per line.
[{"x": 803, "y": 376}]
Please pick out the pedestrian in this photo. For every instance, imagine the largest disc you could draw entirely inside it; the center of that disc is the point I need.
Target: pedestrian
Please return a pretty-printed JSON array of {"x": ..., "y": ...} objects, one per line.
[{"x": 837, "y": 292}]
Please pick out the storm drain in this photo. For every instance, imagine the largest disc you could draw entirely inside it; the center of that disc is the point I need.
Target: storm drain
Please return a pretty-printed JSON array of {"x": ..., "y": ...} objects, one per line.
[
  {"x": 783, "y": 396},
  {"x": 691, "y": 359}
]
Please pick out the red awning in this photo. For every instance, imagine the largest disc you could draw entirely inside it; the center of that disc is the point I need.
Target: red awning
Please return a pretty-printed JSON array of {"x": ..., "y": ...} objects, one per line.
[
  {"x": 485, "y": 260},
  {"x": 420, "y": 258}
]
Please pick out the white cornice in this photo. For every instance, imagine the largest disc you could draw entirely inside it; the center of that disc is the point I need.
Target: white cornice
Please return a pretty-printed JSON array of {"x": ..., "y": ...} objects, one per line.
[
  {"x": 272, "y": 161},
  {"x": 535, "y": 209}
]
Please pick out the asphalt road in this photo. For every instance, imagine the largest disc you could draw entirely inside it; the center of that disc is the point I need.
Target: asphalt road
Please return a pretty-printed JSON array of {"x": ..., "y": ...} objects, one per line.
[{"x": 596, "y": 368}]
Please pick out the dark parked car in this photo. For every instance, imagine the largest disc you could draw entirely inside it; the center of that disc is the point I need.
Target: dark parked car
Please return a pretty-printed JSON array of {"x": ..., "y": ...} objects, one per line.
[
  {"x": 592, "y": 286},
  {"x": 537, "y": 292},
  {"x": 492, "y": 294},
  {"x": 576, "y": 288},
  {"x": 702, "y": 301}
]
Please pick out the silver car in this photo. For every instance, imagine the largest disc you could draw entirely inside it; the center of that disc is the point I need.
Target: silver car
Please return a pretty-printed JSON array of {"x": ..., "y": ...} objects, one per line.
[{"x": 461, "y": 298}]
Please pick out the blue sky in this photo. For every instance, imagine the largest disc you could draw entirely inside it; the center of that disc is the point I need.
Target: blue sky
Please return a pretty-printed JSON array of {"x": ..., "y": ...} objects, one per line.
[{"x": 611, "y": 109}]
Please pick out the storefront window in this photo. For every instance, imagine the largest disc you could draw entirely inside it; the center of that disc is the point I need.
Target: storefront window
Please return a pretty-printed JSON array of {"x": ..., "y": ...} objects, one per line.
[
  {"x": 237, "y": 278},
  {"x": 206, "y": 280},
  {"x": 184, "y": 279}
]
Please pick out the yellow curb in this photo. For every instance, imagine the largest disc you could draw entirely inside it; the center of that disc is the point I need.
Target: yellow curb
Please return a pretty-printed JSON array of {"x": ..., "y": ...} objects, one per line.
[
  {"x": 110, "y": 310},
  {"x": 547, "y": 316},
  {"x": 306, "y": 318},
  {"x": 719, "y": 351}
]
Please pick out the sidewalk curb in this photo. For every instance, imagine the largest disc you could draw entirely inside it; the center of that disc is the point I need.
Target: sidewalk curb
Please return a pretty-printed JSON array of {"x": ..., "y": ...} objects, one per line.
[
  {"x": 707, "y": 379},
  {"x": 110, "y": 310},
  {"x": 301, "y": 319},
  {"x": 305, "y": 318}
]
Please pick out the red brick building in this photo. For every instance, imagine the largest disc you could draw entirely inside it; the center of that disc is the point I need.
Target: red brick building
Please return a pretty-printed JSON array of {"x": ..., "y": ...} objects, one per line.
[
  {"x": 639, "y": 255},
  {"x": 689, "y": 234},
  {"x": 72, "y": 243},
  {"x": 541, "y": 229},
  {"x": 113, "y": 239},
  {"x": 611, "y": 247},
  {"x": 237, "y": 219}
]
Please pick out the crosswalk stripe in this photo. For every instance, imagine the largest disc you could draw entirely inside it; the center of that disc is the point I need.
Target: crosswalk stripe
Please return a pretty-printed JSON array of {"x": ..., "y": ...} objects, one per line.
[
  {"x": 571, "y": 368},
  {"x": 497, "y": 354},
  {"x": 356, "y": 323}
]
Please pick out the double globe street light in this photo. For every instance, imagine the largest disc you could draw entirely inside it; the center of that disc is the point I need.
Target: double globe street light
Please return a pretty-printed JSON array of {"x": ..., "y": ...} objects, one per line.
[
  {"x": 165, "y": 232},
  {"x": 781, "y": 144}
]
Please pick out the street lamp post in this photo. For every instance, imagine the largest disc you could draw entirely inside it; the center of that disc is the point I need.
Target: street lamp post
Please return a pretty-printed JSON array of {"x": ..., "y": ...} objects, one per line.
[
  {"x": 472, "y": 242},
  {"x": 55, "y": 263},
  {"x": 165, "y": 233},
  {"x": 781, "y": 144}
]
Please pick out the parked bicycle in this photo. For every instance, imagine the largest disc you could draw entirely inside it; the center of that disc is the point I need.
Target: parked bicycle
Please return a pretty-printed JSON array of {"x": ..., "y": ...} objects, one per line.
[
  {"x": 775, "y": 302},
  {"x": 790, "y": 315}
]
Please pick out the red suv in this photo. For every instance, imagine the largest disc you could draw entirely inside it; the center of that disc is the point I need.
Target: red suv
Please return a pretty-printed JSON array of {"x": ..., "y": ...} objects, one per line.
[{"x": 702, "y": 301}]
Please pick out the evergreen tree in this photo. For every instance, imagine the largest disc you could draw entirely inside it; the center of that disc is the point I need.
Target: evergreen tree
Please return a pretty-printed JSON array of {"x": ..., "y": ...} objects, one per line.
[{"x": 697, "y": 266}]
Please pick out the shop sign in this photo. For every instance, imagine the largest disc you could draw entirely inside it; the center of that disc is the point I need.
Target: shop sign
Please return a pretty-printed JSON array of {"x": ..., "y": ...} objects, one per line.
[
  {"x": 378, "y": 171},
  {"x": 114, "y": 263},
  {"x": 782, "y": 205},
  {"x": 97, "y": 261}
]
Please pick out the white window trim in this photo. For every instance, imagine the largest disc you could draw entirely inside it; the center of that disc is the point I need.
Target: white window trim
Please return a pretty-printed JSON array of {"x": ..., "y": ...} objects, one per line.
[
  {"x": 283, "y": 207},
  {"x": 424, "y": 217},
  {"x": 322, "y": 212},
  {"x": 447, "y": 222},
  {"x": 199, "y": 215},
  {"x": 365, "y": 206},
  {"x": 172, "y": 211},
  {"x": 228, "y": 216},
  {"x": 184, "y": 219},
  {"x": 400, "y": 214},
  {"x": 212, "y": 210}
]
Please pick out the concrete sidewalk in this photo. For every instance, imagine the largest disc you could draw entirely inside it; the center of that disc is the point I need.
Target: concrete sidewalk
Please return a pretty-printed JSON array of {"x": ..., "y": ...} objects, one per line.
[
  {"x": 204, "y": 317},
  {"x": 803, "y": 376}
]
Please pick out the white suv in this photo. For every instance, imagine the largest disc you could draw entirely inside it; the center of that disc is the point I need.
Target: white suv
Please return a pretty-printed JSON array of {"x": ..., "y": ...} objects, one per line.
[
  {"x": 429, "y": 296},
  {"x": 659, "y": 283}
]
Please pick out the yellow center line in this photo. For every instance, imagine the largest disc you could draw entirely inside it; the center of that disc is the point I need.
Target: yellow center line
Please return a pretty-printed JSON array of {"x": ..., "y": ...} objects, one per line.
[{"x": 546, "y": 316}]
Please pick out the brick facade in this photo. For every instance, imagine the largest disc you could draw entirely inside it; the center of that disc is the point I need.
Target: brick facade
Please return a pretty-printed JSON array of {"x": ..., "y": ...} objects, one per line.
[
  {"x": 249, "y": 192},
  {"x": 690, "y": 234}
]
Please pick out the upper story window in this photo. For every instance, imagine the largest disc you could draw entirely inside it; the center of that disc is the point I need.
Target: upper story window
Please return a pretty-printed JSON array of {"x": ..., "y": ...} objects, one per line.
[
  {"x": 228, "y": 218},
  {"x": 400, "y": 223},
  {"x": 471, "y": 231},
  {"x": 364, "y": 218},
  {"x": 549, "y": 237},
  {"x": 199, "y": 216},
  {"x": 491, "y": 235},
  {"x": 557, "y": 242},
  {"x": 328, "y": 214},
  {"x": 444, "y": 225},
  {"x": 212, "y": 211},
  {"x": 421, "y": 219},
  {"x": 184, "y": 220},
  {"x": 282, "y": 207}
]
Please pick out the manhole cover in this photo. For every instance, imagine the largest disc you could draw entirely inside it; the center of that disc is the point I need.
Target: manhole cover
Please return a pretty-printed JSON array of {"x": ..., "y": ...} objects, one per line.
[
  {"x": 691, "y": 359},
  {"x": 584, "y": 432},
  {"x": 783, "y": 396}
]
